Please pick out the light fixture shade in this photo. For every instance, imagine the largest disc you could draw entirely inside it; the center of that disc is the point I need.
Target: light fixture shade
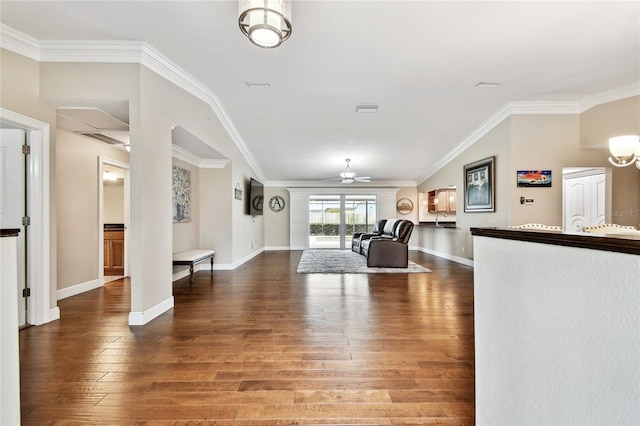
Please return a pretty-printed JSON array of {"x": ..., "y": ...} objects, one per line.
[
  {"x": 624, "y": 149},
  {"x": 267, "y": 23}
]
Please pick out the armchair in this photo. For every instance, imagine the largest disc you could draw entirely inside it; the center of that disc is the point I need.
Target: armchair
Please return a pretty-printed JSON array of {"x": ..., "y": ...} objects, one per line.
[
  {"x": 358, "y": 237},
  {"x": 389, "y": 250}
]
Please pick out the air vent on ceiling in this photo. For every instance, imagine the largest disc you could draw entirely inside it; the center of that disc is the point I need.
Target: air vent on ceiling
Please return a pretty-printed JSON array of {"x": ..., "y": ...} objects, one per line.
[
  {"x": 256, "y": 84},
  {"x": 101, "y": 137},
  {"x": 488, "y": 84},
  {"x": 371, "y": 108}
]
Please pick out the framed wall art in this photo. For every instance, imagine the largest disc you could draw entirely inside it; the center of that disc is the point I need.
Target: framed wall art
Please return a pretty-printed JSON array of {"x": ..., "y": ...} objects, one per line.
[
  {"x": 181, "y": 197},
  {"x": 534, "y": 178},
  {"x": 479, "y": 186},
  {"x": 404, "y": 206}
]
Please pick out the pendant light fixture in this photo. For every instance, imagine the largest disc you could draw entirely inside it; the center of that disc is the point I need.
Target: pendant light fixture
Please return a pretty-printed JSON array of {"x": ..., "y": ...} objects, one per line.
[
  {"x": 267, "y": 23},
  {"x": 625, "y": 150}
]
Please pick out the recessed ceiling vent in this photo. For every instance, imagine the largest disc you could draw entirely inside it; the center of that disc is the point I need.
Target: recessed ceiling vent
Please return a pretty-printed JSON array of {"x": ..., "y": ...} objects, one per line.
[
  {"x": 488, "y": 84},
  {"x": 94, "y": 123},
  {"x": 364, "y": 109},
  {"x": 102, "y": 138}
]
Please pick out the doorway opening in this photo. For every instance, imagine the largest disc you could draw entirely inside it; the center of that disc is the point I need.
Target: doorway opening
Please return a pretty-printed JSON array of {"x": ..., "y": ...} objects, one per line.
[{"x": 113, "y": 220}]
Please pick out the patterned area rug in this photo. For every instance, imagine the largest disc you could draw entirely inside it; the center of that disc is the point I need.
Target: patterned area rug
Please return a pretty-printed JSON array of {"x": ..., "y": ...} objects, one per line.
[{"x": 346, "y": 262}]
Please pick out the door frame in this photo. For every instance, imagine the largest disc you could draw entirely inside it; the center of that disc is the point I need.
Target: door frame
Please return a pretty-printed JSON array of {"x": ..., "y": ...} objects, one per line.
[
  {"x": 39, "y": 280},
  {"x": 127, "y": 190}
]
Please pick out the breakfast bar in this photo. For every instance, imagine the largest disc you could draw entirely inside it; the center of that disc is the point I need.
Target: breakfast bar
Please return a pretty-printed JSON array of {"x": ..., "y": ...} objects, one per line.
[{"x": 556, "y": 327}]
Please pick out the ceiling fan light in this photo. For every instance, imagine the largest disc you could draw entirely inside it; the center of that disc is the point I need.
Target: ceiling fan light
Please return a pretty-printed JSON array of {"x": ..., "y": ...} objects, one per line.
[{"x": 267, "y": 23}]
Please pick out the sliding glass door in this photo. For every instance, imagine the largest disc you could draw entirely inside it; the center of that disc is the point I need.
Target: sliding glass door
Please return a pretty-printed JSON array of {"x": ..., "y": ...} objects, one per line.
[{"x": 333, "y": 219}]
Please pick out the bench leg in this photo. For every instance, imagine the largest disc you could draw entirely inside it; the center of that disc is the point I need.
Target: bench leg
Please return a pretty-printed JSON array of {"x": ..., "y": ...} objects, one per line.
[{"x": 191, "y": 272}]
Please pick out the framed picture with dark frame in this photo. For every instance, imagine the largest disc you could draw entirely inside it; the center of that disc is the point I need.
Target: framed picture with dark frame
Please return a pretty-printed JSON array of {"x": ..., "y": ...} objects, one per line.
[{"x": 479, "y": 186}]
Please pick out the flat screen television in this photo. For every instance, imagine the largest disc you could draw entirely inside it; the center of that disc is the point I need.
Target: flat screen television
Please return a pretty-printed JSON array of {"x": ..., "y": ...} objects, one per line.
[{"x": 256, "y": 197}]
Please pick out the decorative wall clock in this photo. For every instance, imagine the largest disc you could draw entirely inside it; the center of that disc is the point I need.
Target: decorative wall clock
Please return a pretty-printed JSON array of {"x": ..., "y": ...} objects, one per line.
[{"x": 276, "y": 203}]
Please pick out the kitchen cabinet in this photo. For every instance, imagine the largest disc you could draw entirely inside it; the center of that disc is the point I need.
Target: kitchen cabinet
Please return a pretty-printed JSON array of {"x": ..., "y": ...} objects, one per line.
[
  {"x": 442, "y": 200},
  {"x": 113, "y": 253}
]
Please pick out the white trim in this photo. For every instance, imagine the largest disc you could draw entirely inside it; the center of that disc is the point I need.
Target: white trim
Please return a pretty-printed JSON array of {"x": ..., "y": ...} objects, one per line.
[
  {"x": 277, "y": 248},
  {"x": 53, "y": 314},
  {"x": 77, "y": 289},
  {"x": 39, "y": 262},
  {"x": 533, "y": 108},
  {"x": 447, "y": 256},
  {"x": 145, "y": 54},
  {"x": 129, "y": 52},
  {"x": 194, "y": 160},
  {"x": 141, "y": 318},
  {"x": 610, "y": 95},
  {"x": 19, "y": 43}
]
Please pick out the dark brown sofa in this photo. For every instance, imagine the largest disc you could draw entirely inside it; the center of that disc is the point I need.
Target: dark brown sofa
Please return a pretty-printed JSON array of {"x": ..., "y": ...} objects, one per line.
[{"x": 390, "y": 249}]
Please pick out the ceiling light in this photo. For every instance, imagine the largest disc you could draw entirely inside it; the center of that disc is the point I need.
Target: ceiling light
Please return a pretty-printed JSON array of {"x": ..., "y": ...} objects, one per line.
[
  {"x": 625, "y": 150},
  {"x": 487, "y": 84},
  {"x": 267, "y": 23},
  {"x": 366, "y": 108}
]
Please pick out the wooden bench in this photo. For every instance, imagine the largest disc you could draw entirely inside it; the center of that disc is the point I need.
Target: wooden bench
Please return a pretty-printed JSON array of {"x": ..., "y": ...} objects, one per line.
[{"x": 191, "y": 257}]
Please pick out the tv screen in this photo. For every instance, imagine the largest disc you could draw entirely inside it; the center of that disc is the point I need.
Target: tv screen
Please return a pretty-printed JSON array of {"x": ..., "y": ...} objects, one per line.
[{"x": 256, "y": 197}]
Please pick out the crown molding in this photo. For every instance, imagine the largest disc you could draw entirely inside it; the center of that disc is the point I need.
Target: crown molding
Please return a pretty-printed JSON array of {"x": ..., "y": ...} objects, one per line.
[
  {"x": 129, "y": 52},
  {"x": 146, "y": 55},
  {"x": 611, "y": 95},
  {"x": 194, "y": 160},
  {"x": 20, "y": 43},
  {"x": 533, "y": 108}
]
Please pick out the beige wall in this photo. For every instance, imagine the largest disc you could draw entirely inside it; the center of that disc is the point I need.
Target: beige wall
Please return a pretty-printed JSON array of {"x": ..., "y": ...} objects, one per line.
[
  {"x": 77, "y": 184},
  {"x": 154, "y": 104},
  {"x": 276, "y": 232},
  {"x": 457, "y": 242},
  {"x": 19, "y": 93},
  {"x": 113, "y": 203},
  {"x": 534, "y": 142},
  {"x": 216, "y": 212}
]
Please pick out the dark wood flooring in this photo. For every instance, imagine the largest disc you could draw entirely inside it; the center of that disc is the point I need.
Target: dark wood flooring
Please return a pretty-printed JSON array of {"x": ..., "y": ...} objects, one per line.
[{"x": 262, "y": 345}]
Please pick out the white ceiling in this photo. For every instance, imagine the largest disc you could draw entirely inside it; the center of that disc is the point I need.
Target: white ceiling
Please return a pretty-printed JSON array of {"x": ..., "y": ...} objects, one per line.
[{"x": 418, "y": 60}]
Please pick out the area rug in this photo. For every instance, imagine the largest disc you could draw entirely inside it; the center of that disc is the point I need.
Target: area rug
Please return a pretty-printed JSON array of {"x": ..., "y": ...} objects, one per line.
[{"x": 346, "y": 262}]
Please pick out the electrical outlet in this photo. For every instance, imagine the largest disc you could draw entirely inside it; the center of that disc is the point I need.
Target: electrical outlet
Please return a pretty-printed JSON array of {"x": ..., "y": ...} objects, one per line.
[
  {"x": 251, "y": 245},
  {"x": 463, "y": 249}
]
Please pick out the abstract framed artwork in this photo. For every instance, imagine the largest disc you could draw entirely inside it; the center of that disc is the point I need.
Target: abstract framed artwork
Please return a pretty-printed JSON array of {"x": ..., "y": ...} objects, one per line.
[
  {"x": 479, "y": 188},
  {"x": 534, "y": 178},
  {"x": 181, "y": 197}
]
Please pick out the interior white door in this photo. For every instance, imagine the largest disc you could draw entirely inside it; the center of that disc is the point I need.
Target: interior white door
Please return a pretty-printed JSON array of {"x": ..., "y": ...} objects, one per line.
[
  {"x": 12, "y": 201},
  {"x": 584, "y": 201}
]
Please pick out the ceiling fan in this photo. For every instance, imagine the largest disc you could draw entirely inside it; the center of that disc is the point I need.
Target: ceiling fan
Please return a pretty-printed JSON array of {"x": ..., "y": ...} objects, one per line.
[{"x": 347, "y": 176}]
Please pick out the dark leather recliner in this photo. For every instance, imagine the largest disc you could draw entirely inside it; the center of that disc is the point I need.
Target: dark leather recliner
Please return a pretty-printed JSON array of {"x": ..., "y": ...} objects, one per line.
[
  {"x": 389, "y": 250},
  {"x": 358, "y": 237}
]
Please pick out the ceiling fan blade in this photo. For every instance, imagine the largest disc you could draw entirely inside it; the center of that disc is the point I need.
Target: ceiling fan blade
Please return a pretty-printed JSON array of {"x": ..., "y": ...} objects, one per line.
[
  {"x": 332, "y": 180},
  {"x": 363, "y": 178}
]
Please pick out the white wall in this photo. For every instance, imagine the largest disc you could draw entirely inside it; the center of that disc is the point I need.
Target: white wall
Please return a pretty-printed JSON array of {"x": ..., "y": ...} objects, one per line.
[{"x": 556, "y": 335}]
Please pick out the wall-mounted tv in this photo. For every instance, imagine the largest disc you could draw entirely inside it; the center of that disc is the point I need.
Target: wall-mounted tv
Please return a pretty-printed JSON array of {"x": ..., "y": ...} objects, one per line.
[{"x": 256, "y": 197}]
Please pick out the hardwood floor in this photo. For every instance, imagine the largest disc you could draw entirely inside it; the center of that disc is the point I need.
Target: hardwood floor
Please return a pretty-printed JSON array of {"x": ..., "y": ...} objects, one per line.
[{"x": 262, "y": 345}]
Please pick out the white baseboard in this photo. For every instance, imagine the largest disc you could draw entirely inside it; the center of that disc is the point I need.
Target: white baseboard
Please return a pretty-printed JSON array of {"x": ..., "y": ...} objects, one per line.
[
  {"x": 277, "y": 248},
  {"x": 141, "y": 318},
  {"x": 447, "y": 256},
  {"x": 54, "y": 314},
  {"x": 63, "y": 293}
]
